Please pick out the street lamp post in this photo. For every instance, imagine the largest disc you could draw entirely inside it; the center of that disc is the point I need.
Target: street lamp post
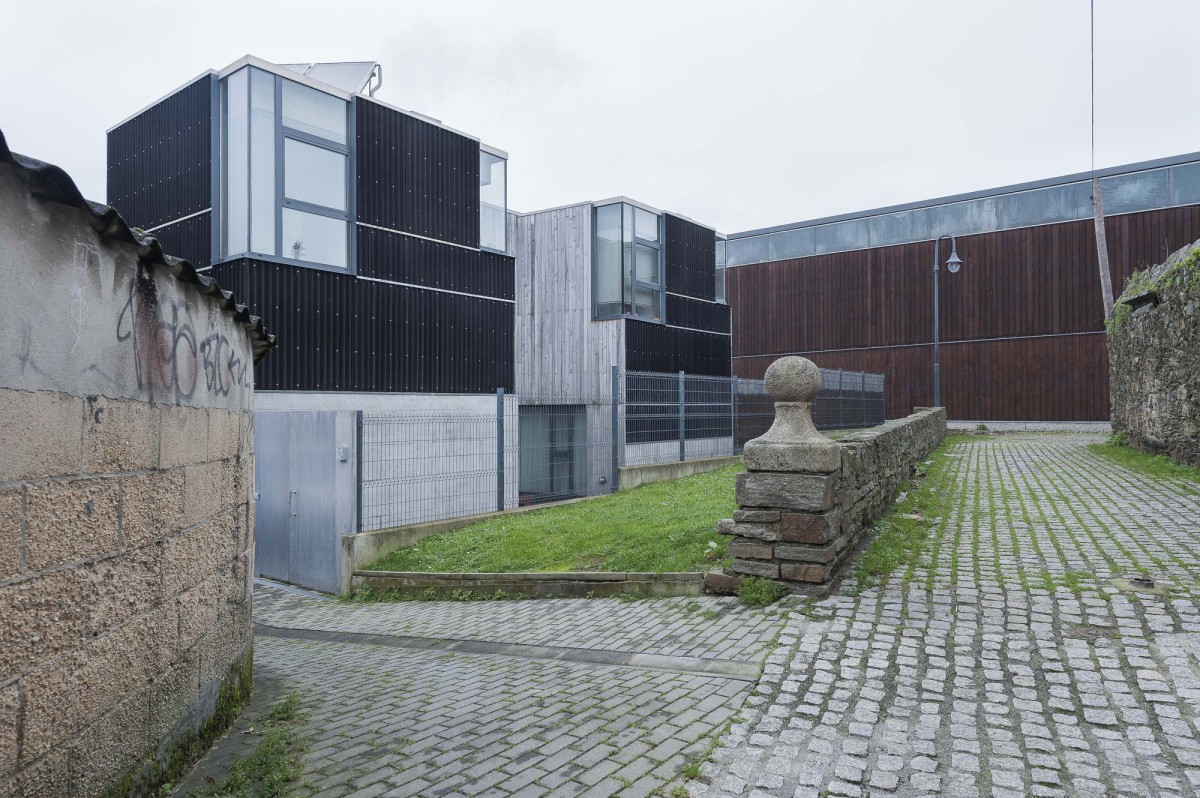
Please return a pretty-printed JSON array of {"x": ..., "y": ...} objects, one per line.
[{"x": 953, "y": 263}]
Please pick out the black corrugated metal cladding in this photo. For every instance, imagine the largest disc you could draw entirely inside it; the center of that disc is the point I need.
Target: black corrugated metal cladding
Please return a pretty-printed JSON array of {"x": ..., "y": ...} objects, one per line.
[
  {"x": 416, "y": 177},
  {"x": 684, "y": 312},
  {"x": 405, "y": 259},
  {"x": 655, "y": 347},
  {"x": 691, "y": 257},
  {"x": 189, "y": 239},
  {"x": 160, "y": 162},
  {"x": 340, "y": 333}
]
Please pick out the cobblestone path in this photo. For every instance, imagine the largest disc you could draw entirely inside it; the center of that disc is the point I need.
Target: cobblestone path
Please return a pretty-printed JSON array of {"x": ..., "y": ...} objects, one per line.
[
  {"x": 1006, "y": 663},
  {"x": 510, "y": 698}
]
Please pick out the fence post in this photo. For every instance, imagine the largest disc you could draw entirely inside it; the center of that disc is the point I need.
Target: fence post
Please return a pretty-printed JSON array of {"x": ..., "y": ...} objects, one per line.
[
  {"x": 499, "y": 449},
  {"x": 358, "y": 469},
  {"x": 733, "y": 411},
  {"x": 682, "y": 414},
  {"x": 616, "y": 429},
  {"x": 841, "y": 401}
]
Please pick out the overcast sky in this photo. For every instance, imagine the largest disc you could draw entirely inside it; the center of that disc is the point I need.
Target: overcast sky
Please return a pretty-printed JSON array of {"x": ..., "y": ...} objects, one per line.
[{"x": 738, "y": 114}]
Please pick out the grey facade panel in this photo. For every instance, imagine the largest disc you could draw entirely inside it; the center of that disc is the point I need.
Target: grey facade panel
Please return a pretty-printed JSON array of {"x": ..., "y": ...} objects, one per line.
[
  {"x": 1184, "y": 185},
  {"x": 1135, "y": 192}
]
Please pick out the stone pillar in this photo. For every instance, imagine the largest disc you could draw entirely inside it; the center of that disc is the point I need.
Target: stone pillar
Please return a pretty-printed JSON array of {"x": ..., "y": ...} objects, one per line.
[{"x": 787, "y": 526}]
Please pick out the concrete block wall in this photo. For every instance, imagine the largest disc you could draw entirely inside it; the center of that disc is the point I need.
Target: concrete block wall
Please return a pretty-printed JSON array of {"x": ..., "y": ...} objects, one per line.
[
  {"x": 805, "y": 501},
  {"x": 126, "y": 430}
]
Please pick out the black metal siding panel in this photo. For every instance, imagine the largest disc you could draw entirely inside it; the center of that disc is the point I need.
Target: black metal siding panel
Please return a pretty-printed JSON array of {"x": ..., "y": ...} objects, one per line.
[
  {"x": 160, "y": 162},
  {"x": 391, "y": 256},
  {"x": 190, "y": 239},
  {"x": 691, "y": 258},
  {"x": 684, "y": 312},
  {"x": 337, "y": 332},
  {"x": 416, "y": 177},
  {"x": 654, "y": 347}
]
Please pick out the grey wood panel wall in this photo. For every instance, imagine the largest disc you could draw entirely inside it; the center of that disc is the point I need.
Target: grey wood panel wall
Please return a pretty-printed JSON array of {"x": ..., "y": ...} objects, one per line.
[{"x": 560, "y": 352}]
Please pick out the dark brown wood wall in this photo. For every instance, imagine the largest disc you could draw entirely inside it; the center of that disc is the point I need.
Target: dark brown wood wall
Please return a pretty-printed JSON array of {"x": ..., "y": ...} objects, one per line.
[{"x": 1021, "y": 323}]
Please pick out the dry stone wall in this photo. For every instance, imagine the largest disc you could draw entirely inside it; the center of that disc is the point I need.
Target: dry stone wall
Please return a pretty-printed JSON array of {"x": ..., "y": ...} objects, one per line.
[
  {"x": 1154, "y": 358},
  {"x": 805, "y": 500},
  {"x": 126, "y": 465}
]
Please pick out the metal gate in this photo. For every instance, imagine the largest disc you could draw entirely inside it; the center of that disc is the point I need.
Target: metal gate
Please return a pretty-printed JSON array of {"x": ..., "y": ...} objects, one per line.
[{"x": 297, "y": 486}]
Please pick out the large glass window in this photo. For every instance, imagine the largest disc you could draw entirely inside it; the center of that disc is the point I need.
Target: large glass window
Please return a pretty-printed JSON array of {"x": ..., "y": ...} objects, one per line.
[
  {"x": 627, "y": 274},
  {"x": 493, "y": 201},
  {"x": 286, "y": 171},
  {"x": 720, "y": 270}
]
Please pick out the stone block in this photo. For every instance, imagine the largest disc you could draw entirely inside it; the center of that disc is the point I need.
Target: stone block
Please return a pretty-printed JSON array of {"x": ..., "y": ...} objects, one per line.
[
  {"x": 786, "y": 491},
  {"x": 721, "y": 583},
  {"x": 173, "y": 693},
  {"x": 208, "y": 489},
  {"x": 115, "y": 589},
  {"x": 225, "y": 644},
  {"x": 195, "y": 553},
  {"x": 809, "y": 527},
  {"x": 71, "y": 692},
  {"x": 111, "y": 745},
  {"x": 224, "y": 434},
  {"x": 10, "y": 714},
  {"x": 800, "y": 551},
  {"x": 151, "y": 506},
  {"x": 70, "y": 521},
  {"x": 12, "y": 516},
  {"x": 199, "y": 607},
  {"x": 119, "y": 435},
  {"x": 806, "y": 457},
  {"x": 767, "y": 532},
  {"x": 40, "y": 434},
  {"x": 755, "y": 568},
  {"x": 742, "y": 548},
  {"x": 804, "y": 572},
  {"x": 49, "y": 776},
  {"x": 756, "y": 516},
  {"x": 184, "y": 437},
  {"x": 724, "y": 526},
  {"x": 43, "y": 617}
]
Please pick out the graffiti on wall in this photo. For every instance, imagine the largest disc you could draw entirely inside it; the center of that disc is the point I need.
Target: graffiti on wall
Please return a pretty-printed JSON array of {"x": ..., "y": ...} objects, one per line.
[{"x": 172, "y": 359}]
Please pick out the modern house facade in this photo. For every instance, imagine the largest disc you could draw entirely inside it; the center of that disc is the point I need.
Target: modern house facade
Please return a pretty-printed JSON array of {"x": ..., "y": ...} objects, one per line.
[
  {"x": 375, "y": 238},
  {"x": 1021, "y": 324},
  {"x": 604, "y": 290}
]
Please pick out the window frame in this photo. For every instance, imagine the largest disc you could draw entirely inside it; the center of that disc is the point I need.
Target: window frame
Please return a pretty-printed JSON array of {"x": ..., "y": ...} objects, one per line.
[
  {"x": 629, "y": 310},
  {"x": 483, "y": 150}
]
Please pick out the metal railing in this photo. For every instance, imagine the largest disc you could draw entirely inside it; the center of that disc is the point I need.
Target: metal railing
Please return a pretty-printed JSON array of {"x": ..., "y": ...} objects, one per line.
[{"x": 527, "y": 450}]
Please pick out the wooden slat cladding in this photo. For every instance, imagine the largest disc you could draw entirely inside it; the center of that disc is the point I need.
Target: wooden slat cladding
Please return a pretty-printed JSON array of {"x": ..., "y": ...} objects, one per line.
[
  {"x": 1053, "y": 378},
  {"x": 414, "y": 176},
  {"x": 1037, "y": 281},
  {"x": 404, "y": 259},
  {"x": 654, "y": 347},
  {"x": 160, "y": 162},
  {"x": 339, "y": 333},
  {"x": 696, "y": 314},
  {"x": 691, "y": 254}
]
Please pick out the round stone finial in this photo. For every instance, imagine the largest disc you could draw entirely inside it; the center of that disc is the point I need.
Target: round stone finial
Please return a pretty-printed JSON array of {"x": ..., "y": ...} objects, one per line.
[{"x": 793, "y": 379}]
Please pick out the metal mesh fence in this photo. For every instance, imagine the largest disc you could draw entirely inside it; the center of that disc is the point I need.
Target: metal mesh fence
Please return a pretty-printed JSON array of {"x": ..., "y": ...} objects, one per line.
[{"x": 450, "y": 463}]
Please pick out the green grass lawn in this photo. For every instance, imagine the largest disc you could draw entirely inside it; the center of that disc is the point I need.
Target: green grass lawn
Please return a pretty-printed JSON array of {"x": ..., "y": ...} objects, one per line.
[
  {"x": 1152, "y": 465},
  {"x": 666, "y": 526}
]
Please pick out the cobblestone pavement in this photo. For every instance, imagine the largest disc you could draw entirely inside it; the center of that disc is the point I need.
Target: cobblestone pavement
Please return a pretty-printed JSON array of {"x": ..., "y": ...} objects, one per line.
[
  {"x": 511, "y": 698},
  {"x": 1005, "y": 663}
]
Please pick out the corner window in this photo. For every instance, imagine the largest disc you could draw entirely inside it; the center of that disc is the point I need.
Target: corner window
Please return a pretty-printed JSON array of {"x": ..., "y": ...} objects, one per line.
[
  {"x": 627, "y": 273},
  {"x": 493, "y": 201},
  {"x": 285, "y": 170},
  {"x": 720, "y": 270}
]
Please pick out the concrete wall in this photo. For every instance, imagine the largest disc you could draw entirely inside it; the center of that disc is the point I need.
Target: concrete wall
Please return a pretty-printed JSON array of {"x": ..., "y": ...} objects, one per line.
[
  {"x": 126, "y": 426},
  {"x": 1154, "y": 356}
]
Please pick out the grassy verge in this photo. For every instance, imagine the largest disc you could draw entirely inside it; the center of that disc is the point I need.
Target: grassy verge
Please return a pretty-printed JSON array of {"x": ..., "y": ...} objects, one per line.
[
  {"x": 275, "y": 765},
  {"x": 666, "y": 526},
  {"x": 900, "y": 537},
  {"x": 1152, "y": 465}
]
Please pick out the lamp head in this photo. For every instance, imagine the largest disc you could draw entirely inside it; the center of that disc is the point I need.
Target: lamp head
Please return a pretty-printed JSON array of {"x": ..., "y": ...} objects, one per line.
[{"x": 954, "y": 263}]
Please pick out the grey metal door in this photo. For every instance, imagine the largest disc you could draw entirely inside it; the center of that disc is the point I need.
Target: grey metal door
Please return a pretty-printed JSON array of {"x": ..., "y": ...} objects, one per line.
[{"x": 296, "y": 539}]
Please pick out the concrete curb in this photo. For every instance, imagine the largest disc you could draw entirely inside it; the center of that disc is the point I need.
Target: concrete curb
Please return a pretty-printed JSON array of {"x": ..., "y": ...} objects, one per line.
[{"x": 567, "y": 584}]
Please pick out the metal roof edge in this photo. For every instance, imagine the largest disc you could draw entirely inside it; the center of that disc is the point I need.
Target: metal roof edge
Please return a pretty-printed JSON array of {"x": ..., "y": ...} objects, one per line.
[
  {"x": 1016, "y": 188},
  {"x": 169, "y": 94},
  {"x": 50, "y": 183}
]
